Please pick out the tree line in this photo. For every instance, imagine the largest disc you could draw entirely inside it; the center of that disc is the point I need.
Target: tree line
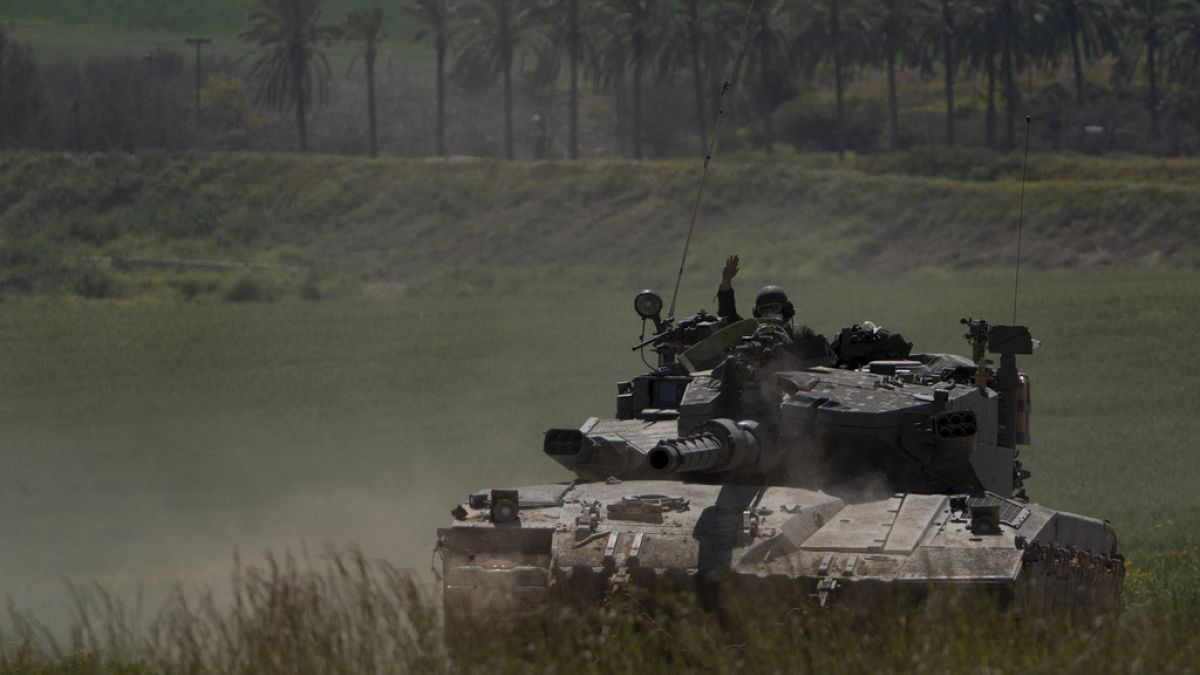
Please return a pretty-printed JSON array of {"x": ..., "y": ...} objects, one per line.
[{"x": 631, "y": 52}]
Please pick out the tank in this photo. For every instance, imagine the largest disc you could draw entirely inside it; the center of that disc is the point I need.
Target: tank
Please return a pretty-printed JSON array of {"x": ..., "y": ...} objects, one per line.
[{"x": 751, "y": 462}]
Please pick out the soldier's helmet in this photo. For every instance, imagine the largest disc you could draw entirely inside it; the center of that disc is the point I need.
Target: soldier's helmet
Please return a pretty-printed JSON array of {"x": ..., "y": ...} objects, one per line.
[{"x": 773, "y": 301}]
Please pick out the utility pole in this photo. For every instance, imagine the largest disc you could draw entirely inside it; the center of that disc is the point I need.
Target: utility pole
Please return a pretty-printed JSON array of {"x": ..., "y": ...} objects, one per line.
[{"x": 199, "y": 42}]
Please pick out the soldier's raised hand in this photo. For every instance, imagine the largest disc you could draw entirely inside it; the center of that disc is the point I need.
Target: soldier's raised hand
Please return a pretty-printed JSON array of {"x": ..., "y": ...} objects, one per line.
[{"x": 730, "y": 271}]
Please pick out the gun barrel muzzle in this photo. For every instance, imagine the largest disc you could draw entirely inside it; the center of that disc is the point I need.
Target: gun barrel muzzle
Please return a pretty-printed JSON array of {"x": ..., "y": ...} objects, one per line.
[
  {"x": 719, "y": 445},
  {"x": 697, "y": 452}
]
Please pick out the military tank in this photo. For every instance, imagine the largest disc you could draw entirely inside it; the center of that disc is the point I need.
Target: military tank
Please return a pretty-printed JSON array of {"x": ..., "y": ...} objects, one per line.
[{"x": 752, "y": 460}]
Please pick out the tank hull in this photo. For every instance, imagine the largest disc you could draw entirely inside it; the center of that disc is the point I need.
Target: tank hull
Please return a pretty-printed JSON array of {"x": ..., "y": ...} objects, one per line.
[{"x": 588, "y": 542}]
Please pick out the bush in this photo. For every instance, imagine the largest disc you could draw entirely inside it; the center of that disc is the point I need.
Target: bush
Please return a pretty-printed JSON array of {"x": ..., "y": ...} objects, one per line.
[
  {"x": 192, "y": 284},
  {"x": 226, "y": 105},
  {"x": 249, "y": 288},
  {"x": 946, "y": 162},
  {"x": 811, "y": 124},
  {"x": 25, "y": 262},
  {"x": 311, "y": 288},
  {"x": 729, "y": 140},
  {"x": 324, "y": 283},
  {"x": 93, "y": 229},
  {"x": 267, "y": 284},
  {"x": 95, "y": 283}
]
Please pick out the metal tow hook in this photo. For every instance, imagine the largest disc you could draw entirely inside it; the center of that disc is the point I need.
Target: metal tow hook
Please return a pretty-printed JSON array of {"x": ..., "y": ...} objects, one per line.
[
  {"x": 433, "y": 558},
  {"x": 828, "y": 583},
  {"x": 825, "y": 590}
]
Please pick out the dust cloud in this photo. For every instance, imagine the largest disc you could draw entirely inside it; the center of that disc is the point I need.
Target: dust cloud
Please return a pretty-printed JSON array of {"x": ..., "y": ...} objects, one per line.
[
  {"x": 146, "y": 449},
  {"x": 139, "y": 548}
]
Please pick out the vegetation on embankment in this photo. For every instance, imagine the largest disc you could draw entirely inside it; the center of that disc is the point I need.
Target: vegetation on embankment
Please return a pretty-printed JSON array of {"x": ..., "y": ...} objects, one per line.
[{"x": 317, "y": 224}]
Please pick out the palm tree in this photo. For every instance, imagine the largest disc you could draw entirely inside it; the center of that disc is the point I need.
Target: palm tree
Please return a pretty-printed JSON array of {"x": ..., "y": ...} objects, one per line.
[
  {"x": 23, "y": 119},
  {"x": 573, "y": 54},
  {"x": 942, "y": 42},
  {"x": 1001, "y": 28},
  {"x": 1186, "y": 33},
  {"x": 436, "y": 16},
  {"x": 981, "y": 29},
  {"x": 698, "y": 37},
  {"x": 626, "y": 32},
  {"x": 367, "y": 27},
  {"x": 3, "y": 93},
  {"x": 1184, "y": 72},
  {"x": 292, "y": 63},
  {"x": 1148, "y": 22},
  {"x": 768, "y": 49},
  {"x": 1087, "y": 26},
  {"x": 892, "y": 33},
  {"x": 563, "y": 18},
  {"x": 492, "y": 33},
  {"x": 1009, "y": 52},
  {"x": 606, "y": 57},
  {"x": 695, "y": 42},
  {"x": 836, "y": 32},
  {"x": 950, "y": 64},
  {"x": 639, "y": 19},
  {"x": 637, "y": 16},
  {"x": 1023, "y": 43}
]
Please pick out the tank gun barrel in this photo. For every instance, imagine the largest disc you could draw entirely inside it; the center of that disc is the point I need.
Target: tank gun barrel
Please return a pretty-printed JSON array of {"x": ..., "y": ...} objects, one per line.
[
  {"x": 696, "y": 452},
  {"x": 720, "y": 445}
]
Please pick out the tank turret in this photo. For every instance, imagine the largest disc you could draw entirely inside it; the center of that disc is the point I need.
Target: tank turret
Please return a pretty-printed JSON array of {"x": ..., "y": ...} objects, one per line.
[{"x": 746, "y": 399}]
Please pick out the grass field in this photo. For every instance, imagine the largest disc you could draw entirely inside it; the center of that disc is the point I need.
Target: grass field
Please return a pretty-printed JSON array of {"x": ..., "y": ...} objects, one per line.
[
  {"x": 211, "y": 17},
  {"x": 143, "y": 446},
  {"x": 65, "y": 44},
  {"x": 70, "y": 32},
  {"x": 151, "y": 434}
]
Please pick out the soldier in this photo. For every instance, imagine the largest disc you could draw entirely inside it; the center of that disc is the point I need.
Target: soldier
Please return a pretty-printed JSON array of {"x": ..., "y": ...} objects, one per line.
[{"x": 771, "y": 301}]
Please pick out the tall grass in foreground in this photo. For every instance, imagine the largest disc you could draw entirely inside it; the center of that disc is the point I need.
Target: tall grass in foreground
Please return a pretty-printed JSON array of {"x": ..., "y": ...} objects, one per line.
[
  {"x": 349, "y": 614},
  {"x": 346, "y": 614}
]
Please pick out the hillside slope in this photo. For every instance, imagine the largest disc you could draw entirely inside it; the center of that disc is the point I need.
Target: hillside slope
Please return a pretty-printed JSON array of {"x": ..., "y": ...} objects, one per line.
[{"x": 406, "y": 220}]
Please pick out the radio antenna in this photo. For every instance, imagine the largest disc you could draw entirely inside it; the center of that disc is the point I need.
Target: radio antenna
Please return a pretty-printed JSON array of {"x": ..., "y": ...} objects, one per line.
[
  {"x": 712, "y": 144},
  {"x": 1021, "y": 219}
]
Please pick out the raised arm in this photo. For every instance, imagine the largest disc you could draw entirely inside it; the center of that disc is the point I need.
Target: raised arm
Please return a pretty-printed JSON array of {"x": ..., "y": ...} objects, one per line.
[
  {"x": 730, "y": 271},
  {"x": 726, "y": 305}
]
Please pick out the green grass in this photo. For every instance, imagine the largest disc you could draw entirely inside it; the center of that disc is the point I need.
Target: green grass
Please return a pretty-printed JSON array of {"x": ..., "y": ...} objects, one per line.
[
  {"x": 74, "y": 44},
  {"x": 407, "y": 223},
  {"x": 144, "y": 444},
  {"x": 342, "y": 612},
  {"x": 207, "y": 17},
  {"x": 69, "y": 31},
  {"x": 164, "y": 437},
  {"x": 976, "y": 164},
  {"x": 149, "y": 436},
  {"x": 56, "y": 44}
]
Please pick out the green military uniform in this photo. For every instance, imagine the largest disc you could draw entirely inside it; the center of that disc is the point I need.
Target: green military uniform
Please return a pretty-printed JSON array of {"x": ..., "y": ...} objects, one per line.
[{"x": 727, "y": 309}]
